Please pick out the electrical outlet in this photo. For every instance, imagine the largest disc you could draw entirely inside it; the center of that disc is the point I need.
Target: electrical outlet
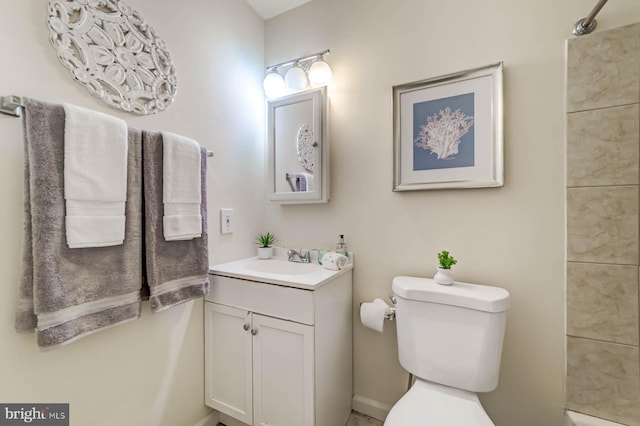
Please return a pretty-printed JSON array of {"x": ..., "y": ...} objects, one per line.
[{"x": 226, "y": 221}]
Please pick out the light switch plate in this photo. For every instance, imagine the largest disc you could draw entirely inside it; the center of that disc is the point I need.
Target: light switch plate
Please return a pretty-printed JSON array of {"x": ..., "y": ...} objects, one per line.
[{"x": 226, "y": 221}]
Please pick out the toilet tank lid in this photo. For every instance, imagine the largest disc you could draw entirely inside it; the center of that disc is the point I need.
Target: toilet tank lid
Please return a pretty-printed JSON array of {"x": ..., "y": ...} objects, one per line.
[{"x": 473, "y": 296}]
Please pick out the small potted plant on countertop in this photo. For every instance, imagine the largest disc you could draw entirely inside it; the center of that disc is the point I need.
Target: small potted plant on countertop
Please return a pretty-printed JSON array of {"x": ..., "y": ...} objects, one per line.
[
  {"x": 443, "y": 276},
  {"x": 264, "y": 241}
]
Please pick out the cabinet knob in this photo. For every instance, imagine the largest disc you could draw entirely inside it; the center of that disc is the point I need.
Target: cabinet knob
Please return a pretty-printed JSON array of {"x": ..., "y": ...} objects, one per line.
[
  {"x": 245, "y": 327},
  {"x": 254, "y": 332}
]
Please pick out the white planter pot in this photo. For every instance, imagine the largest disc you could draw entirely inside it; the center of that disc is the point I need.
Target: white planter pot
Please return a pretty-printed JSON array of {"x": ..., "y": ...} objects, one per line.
[
  {"x": 265, "y": 252},
  {"x": 443, "y": 276}
]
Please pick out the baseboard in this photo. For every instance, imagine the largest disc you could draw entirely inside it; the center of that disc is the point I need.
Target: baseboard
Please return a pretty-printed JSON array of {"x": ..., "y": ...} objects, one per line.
[
  {"x": 230, "y": 421},
  {"x": 370, "y": 407},
  {"x": 359, "y": 403},
  {"x": 212, "y": 419}
]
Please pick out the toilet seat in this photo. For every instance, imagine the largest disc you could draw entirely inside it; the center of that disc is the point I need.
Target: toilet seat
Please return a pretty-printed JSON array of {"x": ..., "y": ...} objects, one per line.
[{"x": 431, "y": 404}]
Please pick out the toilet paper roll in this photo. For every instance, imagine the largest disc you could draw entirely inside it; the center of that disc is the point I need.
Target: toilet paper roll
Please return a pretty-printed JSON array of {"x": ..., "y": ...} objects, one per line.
[{"x": 372, "y": 314}]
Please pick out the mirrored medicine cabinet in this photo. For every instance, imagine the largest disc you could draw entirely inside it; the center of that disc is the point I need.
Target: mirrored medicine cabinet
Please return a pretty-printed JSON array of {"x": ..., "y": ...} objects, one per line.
[{"x": 298, "y": 148}]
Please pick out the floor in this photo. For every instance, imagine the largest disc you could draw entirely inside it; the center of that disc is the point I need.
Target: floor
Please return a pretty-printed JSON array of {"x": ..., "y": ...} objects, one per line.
[{"x": 357, "y": 419}]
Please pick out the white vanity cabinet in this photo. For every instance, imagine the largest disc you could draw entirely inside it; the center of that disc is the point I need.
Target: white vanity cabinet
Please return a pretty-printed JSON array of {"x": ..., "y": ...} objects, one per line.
[
  {"x": 277, "y": 355},
  {"x": 259, "y": 367}
]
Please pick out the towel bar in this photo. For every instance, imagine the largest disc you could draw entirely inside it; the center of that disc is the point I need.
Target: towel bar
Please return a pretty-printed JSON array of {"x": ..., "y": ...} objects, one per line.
[{"x": 11, "y": 105}]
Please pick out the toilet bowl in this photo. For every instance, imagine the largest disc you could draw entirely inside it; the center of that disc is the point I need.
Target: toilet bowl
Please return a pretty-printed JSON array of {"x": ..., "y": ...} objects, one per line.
[
  {"x": 450, "y": 338},
  {"x": 427, "y": 404}
]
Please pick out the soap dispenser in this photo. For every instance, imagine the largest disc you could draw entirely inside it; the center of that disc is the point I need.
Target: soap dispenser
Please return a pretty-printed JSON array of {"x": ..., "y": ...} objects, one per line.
[{"x": 341, "y": 247}]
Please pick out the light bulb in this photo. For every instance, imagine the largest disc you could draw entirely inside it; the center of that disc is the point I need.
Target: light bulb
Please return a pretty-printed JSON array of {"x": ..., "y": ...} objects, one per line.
[
  {"x": 273, "y": 85},
  {"x": 296, "y": 78},
  {"x": 320, "y": 74}
]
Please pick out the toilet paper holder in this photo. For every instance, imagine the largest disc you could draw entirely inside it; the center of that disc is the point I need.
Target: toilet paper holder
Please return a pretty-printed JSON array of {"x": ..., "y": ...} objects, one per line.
[{"x": 390, "y": 314}]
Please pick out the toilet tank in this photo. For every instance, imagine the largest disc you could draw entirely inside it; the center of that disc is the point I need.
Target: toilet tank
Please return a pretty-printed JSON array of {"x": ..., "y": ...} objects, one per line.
[{"x": 451, "y": 335}]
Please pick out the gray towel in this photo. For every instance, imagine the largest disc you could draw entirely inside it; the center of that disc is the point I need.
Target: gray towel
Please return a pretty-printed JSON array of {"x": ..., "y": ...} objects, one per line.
[
  {"x": 176, "y": 271},
  {"x": 66, "y": 294}
]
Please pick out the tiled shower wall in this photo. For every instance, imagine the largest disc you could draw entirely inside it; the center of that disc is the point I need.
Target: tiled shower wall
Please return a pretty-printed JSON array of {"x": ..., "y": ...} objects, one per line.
[{"x": 603, "y": 216}]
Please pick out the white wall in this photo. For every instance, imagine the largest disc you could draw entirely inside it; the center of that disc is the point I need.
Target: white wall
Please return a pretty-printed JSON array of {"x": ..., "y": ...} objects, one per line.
[
  {"x": 149, "y": 371},
  {"x": 513, "y": 237}
]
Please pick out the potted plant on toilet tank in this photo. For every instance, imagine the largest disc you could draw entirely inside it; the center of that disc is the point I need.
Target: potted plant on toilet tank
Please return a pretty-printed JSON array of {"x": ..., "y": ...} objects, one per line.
[
  {"x": 265, "y": 240},
  {"x": 444, "y": 276}
]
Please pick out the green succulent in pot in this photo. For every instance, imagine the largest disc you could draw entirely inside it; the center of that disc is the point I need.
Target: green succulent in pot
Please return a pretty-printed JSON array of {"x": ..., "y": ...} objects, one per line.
[
  {"x": 266, "y": 239},
  {"x": 446, "y": 260},
  {"x": 444, "y": 276}
]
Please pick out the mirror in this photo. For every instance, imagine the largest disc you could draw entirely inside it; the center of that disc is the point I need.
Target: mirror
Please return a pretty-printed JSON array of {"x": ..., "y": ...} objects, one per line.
[{"x": 298, "y": 149}]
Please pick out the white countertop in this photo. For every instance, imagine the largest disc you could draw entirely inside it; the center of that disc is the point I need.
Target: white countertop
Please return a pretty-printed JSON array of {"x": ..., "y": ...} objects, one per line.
[{"x": 280, "y": 271}]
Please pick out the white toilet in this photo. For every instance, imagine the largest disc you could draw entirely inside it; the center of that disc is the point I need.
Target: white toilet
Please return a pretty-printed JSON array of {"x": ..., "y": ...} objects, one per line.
[{"x": 450, "y": 339}]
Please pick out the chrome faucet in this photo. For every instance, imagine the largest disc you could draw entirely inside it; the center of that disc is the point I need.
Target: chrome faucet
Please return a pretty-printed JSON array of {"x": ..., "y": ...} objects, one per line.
[{"x": 294, "y": 256}]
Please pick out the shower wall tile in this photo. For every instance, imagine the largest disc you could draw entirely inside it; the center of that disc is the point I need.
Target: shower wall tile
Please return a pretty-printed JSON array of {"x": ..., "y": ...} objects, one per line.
[
  {"x": 603, "y": 69},
  {"x": 602, "y": 225},
  {"x": 603, "y": 380},
  {"x": 602, "y": 146},
  {"x": 603, "y": 246},
  {"x": 602, "y": 302}
]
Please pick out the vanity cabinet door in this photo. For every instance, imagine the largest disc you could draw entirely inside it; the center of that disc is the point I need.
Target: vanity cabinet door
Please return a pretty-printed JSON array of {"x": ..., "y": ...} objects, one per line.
[
  {"x": 283, "y": 372},
  {"x": 228, "y": 363}
]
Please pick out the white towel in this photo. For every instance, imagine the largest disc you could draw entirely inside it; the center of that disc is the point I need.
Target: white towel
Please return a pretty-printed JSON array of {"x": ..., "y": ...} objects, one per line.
[
  {"x": 181, "y": 188},
  {"x": 334, "y": 261},
  {"x": 308, "y": 179},
  {"x": 301, "y": 183},
  {"x": 95, "y": 178}
]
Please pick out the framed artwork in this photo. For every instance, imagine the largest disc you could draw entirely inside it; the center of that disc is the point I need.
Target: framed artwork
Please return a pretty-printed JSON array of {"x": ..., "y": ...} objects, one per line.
[{"x": 447, "y": 131}]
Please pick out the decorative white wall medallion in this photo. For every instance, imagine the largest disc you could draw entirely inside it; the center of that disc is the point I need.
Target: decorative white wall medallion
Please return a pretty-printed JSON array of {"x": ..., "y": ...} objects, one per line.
[
  {"x": 304, "y": 147},
  {"x": 111, "y": 50}
]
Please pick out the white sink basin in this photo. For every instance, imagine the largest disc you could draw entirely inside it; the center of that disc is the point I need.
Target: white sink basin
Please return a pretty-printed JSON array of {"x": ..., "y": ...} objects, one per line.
[
  {"x": 278, "y": 271},
  {"x": 283, "y": 267}
]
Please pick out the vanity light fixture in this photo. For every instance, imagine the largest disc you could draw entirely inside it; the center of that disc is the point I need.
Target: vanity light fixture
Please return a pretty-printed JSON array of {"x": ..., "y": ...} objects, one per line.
[
  {"x": 296, "y": 79},
  {"x": 320, "y": 74},
  {"x": 273, "y": 84},
  {"x": 302, "y": 72}
]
